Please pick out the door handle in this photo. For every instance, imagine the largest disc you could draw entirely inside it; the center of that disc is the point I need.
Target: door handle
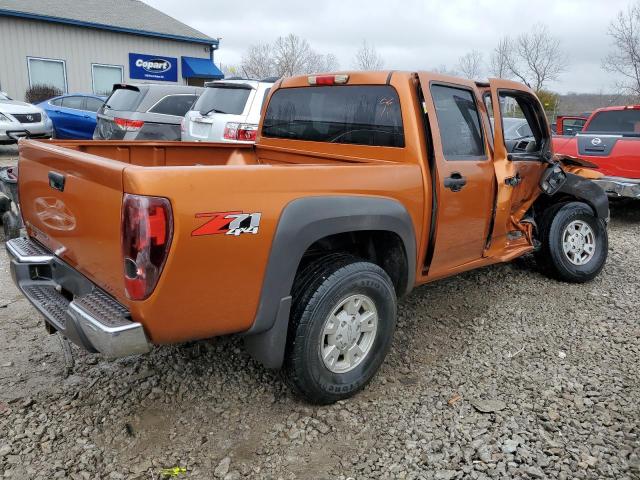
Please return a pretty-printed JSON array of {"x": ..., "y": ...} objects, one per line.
[
  {"x": 455, "y": 182},
  {"x": 56, "y": 180}
]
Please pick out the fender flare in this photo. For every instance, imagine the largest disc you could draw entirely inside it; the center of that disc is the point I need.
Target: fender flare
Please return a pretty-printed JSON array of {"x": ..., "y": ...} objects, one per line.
[
  {"x": 587, "y": 191},
  {"x": 303, "y": 222}
]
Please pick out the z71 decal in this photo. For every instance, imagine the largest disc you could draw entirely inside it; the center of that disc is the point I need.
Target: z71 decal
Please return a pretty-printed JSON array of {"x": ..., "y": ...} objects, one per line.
[{"x": 228, "y": 223}]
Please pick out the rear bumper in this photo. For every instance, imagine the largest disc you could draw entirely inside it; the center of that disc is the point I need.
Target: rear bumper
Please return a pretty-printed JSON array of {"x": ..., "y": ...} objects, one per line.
[
  {"x": 72, "y": 304},
  {"x": 617, "y": 187}
]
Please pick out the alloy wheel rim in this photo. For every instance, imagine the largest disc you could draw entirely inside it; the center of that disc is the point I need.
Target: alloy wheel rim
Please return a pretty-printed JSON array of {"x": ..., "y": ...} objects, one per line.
[
  {"x": 579, "y": 242},
  {"x": 348, "y": 333}
]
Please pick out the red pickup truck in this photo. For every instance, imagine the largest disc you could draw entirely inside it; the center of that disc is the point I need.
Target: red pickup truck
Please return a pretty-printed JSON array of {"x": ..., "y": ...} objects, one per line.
[{"x": 610, "y": 141}]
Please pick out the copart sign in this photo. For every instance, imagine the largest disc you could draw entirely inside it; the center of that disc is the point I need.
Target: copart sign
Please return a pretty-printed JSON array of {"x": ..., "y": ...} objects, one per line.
[{"x": 153, "y": 67}]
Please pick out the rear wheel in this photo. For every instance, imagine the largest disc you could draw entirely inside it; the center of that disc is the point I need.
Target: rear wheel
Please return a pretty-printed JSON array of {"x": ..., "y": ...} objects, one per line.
[
  {"x": 574, "y": 241},
  {"x": 10, "y": 225},
  {"x": 342, "y": 323}
]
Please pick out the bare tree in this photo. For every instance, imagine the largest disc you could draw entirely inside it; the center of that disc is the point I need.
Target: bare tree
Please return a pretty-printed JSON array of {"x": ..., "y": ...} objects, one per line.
[
  {"x": 535, "y": 57},
  {"x": 230, "y": 70},
  {"x": 499, "y": 59},
  {"x": 258, "y": 61},
  {"x": 444, "y": 70},
  {"x": 470, "y": 65},
  {"x": 625, "y": 59},
  {"x": 290, "y": 55},
  {"x": 367, "y": 58}
]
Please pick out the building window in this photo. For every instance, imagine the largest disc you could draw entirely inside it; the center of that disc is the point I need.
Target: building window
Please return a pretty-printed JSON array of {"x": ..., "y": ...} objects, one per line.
[
  {"x": 104, "y": 76},
  {"x": 45, "y": 71}
]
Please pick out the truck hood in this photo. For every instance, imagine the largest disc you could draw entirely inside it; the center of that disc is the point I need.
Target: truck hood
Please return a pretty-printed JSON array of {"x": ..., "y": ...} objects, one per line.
[{"x": 11, "y": 107}]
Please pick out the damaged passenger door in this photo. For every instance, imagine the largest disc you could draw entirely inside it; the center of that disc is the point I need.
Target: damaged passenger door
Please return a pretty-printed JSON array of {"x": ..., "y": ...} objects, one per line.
[
  {"x": 463, "y": 175},
  {"x": 521, "y": 144}
]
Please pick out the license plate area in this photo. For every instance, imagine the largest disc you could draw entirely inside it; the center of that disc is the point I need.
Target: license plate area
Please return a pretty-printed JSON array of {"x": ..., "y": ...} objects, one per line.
[{"x": 200, "y": 129}]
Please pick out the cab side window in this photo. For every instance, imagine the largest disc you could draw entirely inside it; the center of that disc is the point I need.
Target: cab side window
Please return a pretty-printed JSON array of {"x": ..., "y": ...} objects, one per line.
[
  {"x": 73, "y": 102},
  {"x": 459, "y": 123},
  {"x": 93, "y": 104}
]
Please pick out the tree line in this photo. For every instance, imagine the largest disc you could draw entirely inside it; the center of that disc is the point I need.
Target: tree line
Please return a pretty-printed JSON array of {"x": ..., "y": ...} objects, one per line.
[{"x": 535, "y": 58}]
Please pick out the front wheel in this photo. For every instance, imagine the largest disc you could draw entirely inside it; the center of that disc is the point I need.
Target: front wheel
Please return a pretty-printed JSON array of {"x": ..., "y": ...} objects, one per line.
[
  {"x": 342, "y": 325},
  {"x": 574, "y": 243}
]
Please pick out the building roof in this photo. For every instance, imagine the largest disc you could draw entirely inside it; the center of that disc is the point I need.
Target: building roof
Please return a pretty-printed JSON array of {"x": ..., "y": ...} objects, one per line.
[{"x": 127, "y": 16}]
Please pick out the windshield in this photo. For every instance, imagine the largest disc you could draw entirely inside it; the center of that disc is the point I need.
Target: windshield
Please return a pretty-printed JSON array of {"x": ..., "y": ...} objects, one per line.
[
  {"x": 615, "y": 121},
  {"x": 223, "y": 99},
  {"x": 516, "y": 128},
  {"x": 4, "y": 96}
]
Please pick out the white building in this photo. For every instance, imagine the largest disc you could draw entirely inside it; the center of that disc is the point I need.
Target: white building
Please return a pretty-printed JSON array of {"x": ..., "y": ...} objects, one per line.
[{"x": 87, "y": 46}]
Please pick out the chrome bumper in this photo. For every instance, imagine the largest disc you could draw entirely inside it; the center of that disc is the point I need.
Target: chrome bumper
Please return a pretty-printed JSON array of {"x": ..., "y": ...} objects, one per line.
[
  {"x": 620, "y": 187},
  {"x": 72, "y": 304}
]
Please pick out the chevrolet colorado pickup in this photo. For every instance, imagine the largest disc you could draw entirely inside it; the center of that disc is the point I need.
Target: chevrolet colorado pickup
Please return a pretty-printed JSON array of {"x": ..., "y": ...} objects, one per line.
[
  {"x": 360, "y": 186},
  {"x": 610, "y": 143}
]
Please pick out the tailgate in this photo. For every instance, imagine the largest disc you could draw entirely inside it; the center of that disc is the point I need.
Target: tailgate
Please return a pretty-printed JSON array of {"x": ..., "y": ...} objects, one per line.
[
  {"x": 71, "y": 202},
  {"x": 615, "y": 155}
]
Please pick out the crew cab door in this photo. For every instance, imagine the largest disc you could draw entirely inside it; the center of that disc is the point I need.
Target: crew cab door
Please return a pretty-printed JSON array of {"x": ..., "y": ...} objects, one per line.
[
  {"x": 518, "y": 162},
  {"x": 464, "y": 178}
]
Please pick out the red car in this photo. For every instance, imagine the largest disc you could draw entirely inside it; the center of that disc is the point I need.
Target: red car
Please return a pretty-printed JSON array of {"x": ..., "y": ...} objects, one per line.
[{"x": 610, "y": 140}]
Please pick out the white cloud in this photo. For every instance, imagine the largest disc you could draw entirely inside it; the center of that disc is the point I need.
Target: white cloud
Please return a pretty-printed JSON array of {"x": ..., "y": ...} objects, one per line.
[{"x": 411, "y": 34}]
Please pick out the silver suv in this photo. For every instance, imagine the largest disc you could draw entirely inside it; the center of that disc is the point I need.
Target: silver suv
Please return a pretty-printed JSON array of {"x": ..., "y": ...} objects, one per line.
[
  {"x": 144, "y": 112},
  {"x": 227, "y": 111}
]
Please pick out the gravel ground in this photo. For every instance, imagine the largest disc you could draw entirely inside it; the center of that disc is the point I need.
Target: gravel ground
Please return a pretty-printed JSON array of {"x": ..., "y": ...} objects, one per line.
[{"x": 498, "y": 373}]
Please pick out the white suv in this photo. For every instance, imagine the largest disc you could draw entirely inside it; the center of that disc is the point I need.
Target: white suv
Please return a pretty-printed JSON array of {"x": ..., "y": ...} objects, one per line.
[{"x": 227, "y": 111}]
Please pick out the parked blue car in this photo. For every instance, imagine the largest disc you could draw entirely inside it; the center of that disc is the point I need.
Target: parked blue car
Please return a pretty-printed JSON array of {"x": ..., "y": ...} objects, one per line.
[{"x": 73, "y": 115}]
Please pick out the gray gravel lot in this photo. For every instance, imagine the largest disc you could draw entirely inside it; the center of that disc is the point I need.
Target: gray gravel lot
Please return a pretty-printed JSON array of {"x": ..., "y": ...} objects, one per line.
[{"x": 498, "y": 373}]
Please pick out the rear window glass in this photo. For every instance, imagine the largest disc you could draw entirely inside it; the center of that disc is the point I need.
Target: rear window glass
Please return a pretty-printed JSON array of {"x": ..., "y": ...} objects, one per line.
[
  {"x": 124, "y": 99},
  {"x": 93, "y": 104},
  {"x": 360, "y": 115},
  {"x": 176, "y": 105},
  {"x": 223, "y": 100},
  {"x": 616, "y": 121}
]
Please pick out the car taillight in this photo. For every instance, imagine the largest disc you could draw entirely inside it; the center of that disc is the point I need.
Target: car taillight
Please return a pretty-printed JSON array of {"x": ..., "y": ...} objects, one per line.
[
  {"x": 128, "y": 125},
  {"x": 245, "y": 132},
  {"x": 328, "y": 79},
  {"x": 183, "y": 125},
  {"x": 147, "y": 229}
]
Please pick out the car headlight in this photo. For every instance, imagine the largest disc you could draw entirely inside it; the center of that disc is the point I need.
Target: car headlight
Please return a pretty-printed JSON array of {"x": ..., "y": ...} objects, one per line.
[
  {"x": 45, "y": 117},
  {"x": 4, "y": 118}
]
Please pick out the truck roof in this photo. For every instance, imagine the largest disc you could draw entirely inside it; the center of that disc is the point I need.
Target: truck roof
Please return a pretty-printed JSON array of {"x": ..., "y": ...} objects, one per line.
[{"x": 616, "y": 108}]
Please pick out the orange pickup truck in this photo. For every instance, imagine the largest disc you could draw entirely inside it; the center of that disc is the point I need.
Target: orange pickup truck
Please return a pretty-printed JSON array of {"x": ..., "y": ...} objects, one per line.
[{"x": 360, "y": 186}]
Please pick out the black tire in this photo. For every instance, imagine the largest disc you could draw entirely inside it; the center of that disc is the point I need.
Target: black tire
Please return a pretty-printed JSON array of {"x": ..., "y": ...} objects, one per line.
[
  {"x": 318, "y": 289},
  {"x": 5, "y": 204},
  {"x": 10, "y": 225},
  {"x": 551, "y": 257}
]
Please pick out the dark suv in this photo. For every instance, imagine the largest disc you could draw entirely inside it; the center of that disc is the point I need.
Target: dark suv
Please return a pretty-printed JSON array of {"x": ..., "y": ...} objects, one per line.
[{"x": 144, "y": 112}]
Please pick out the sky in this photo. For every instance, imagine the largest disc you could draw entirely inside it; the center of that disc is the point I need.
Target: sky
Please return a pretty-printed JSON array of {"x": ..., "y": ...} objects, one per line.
[{"x": 411, "y": 34}]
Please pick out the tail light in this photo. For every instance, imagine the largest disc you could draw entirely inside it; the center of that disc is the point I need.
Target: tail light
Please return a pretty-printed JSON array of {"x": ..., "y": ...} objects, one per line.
[
  {"x": 147, "y": 229},
  {"x": 129, "y": 125},
  {"x": 183, "y": 125},
  {"x": 245, "y": 132},
  {"x": 328, "y": 79}
]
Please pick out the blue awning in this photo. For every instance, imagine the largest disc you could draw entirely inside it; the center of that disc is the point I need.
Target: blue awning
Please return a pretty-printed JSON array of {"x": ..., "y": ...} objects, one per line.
[{"x": 200, "y": 68}]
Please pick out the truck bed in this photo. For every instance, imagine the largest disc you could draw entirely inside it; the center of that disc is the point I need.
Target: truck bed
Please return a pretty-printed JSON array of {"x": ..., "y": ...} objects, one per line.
[
  {"x": 163, "y": 154},
  {"x": 81, "y": 223}
]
